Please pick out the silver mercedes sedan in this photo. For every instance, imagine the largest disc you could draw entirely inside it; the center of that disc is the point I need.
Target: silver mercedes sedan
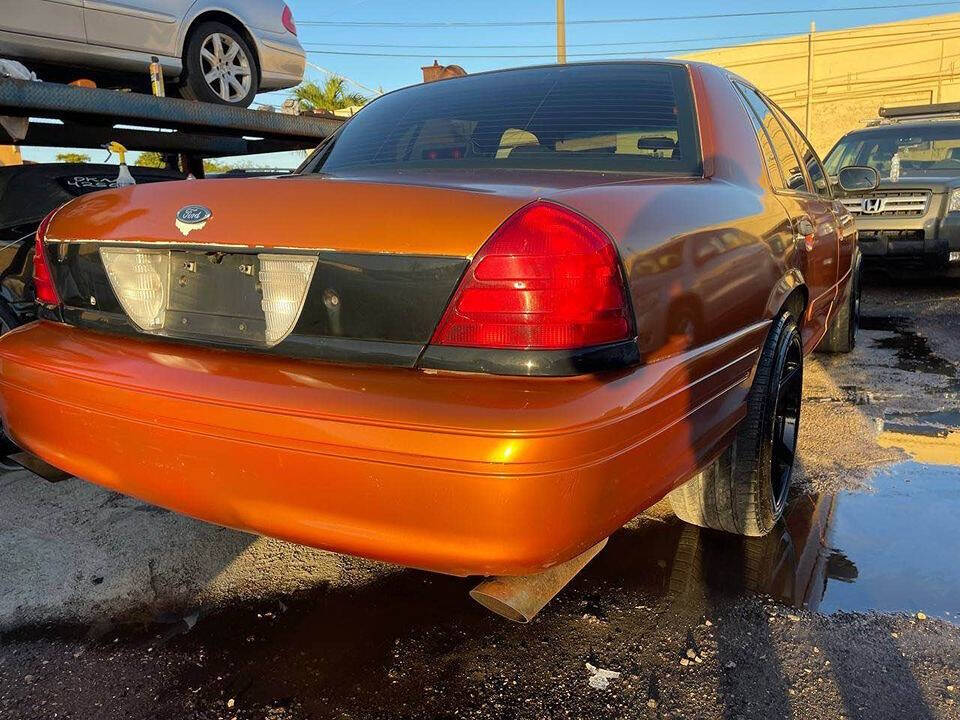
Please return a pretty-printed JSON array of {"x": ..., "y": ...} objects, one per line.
[{"x": 221, "y": 51}]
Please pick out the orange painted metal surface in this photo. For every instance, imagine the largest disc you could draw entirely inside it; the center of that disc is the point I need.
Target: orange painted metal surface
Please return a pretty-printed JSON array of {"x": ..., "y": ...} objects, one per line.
[
  {"x": 458, "y": 473},
  {"x": 290, "y": 212}
]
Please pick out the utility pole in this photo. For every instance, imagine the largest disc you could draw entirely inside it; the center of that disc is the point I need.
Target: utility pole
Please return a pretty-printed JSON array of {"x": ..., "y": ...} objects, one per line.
[
  {"x": 806, "y": 124},
  {"x": 561, "y": 33},
  {"x": 940, "y": 73}
]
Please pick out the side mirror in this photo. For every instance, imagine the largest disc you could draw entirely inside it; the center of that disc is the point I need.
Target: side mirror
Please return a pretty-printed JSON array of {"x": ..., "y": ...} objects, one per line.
[{"x": 855, "y": 178}]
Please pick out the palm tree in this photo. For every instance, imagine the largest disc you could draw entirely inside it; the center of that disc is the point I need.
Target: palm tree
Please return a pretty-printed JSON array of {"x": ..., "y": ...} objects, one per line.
[{"x": 332, "y": 95}]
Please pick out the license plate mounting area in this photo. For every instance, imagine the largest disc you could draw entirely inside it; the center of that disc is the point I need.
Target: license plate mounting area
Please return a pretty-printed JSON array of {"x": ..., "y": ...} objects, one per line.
[{"x": 216, "y": 295}]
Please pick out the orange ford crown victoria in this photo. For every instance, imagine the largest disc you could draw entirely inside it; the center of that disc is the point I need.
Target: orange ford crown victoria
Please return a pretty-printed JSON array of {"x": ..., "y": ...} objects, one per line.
[{"x": 486, "y": 323}]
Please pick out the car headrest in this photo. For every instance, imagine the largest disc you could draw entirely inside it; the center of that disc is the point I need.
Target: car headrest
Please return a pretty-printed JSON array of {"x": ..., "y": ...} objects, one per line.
[{"x": 530, "y": 150}]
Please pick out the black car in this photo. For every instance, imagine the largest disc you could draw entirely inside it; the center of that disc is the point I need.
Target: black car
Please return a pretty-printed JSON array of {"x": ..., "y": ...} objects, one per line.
[
  {"x": 27, "y": 194},
  {"x": 911, "y": 221}
]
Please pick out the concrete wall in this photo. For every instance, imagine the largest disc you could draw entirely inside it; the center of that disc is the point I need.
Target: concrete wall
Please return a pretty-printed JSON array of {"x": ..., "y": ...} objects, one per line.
[{"x": 855, "y": 71}]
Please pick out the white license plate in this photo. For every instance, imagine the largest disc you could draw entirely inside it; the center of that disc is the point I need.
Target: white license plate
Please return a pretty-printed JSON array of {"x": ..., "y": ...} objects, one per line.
[{"x": 955, "y": 257}]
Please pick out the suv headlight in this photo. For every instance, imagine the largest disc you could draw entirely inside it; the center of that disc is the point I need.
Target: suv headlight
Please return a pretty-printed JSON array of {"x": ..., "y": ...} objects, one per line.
[{"x": 953, "y": 204}]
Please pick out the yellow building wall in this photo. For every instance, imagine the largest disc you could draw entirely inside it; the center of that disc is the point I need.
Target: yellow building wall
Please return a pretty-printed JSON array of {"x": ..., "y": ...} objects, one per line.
[
  {"x": 9, "y": 155},
  {"x": 855, "y": 71}
]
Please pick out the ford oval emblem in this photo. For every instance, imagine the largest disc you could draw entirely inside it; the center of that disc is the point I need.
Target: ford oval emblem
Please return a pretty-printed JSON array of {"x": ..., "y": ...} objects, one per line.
[{"x": 194, "y": 214}]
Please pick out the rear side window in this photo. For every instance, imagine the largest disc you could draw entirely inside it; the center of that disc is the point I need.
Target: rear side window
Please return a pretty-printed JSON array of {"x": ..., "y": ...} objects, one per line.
[
  {"x": 810, "y": 159},
  {"x": 789, "y": 162},
  {"x": 627, "y": 117},
  {"x": 769, "y": 156}
]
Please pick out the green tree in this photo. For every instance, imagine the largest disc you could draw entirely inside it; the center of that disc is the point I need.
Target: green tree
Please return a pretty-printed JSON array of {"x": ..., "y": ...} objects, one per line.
[
  {"x": 151, "y": 160},
  {"x": 155, "y": 160},
  {"x": 216, "y": 166},
  {"x": 331, "y": 95},
  {"x": 72, "y": 157}
]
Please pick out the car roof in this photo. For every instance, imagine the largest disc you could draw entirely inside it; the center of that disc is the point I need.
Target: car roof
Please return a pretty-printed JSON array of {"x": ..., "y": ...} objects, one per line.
[
  {"x": 886, "y": 127},
  {"x": 676, "y": 62}
]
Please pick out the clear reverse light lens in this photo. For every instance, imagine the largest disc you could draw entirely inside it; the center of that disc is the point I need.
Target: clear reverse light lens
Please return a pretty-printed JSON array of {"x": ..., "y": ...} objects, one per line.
[
  {"x": 284, "y": 279},
  {"x": 139, "y": 279}
]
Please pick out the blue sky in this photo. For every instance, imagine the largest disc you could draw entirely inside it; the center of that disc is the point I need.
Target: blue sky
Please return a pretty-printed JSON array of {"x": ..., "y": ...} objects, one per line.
[
  {"x": 330, "y": 46},
  {"x": 393, "y": 72}
]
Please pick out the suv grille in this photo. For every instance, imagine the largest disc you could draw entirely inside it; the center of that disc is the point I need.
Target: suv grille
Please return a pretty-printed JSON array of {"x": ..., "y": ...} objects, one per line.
[{"x": 889, "y": 203}]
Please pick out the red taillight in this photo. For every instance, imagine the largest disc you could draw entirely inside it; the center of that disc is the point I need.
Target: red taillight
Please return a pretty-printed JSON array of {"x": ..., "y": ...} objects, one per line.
[
  {"x": 548, "y": 278},
  {"x": 42, "y": 279},
  {"x": 287, "y": 20}
]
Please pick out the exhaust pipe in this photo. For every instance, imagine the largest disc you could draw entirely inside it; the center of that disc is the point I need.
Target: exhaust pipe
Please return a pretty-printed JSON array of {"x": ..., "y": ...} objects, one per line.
[
  {"x": 39, "y": 467},
  {"x": 520, "y": 597}
]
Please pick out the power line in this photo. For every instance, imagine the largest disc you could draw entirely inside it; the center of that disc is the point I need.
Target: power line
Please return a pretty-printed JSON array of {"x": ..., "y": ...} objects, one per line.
[
  {"x": 820, "y": 38},
  {"x": 543, "y": 45},
  {"x": 636, "y": 53},
  {"x": 830, "y": 51},
  {"x": 795, "y": 40},
  {"x": 614, "y": 21},
  {"x": 838, "y": 79},
  {"x": 331, "y": 73}
]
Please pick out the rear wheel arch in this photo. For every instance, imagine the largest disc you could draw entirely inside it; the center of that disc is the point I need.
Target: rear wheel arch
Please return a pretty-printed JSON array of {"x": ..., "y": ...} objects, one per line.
[
  {"x": 789, "y": 294},
  {"x": 744, "y": 491},
  {"x": 796, "y": 304}
]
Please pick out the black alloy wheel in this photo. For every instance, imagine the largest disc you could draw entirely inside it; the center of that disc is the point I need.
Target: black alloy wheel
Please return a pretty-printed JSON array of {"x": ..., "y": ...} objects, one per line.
[{"x": 786, "y": 423}]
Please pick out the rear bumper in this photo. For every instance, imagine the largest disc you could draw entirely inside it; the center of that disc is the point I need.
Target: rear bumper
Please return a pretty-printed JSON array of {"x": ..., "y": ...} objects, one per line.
[
  {"x": 462, "y": 474},
  {"x": 282, "y": 60}
]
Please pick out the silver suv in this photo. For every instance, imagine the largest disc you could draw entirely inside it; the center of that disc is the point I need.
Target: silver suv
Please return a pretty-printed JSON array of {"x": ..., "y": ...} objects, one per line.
[{"x": 222, "y": 51}]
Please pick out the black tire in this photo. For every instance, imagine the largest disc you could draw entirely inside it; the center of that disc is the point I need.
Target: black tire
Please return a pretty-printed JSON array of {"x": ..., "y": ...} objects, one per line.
[
  {"x": 745, "y": 490},
  {"x": 197, "y": 64},
  {"x": 841, "y": 336}
]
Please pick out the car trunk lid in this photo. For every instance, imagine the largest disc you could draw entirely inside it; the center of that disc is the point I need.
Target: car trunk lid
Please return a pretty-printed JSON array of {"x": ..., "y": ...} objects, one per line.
[
  {"x": 309, "y": 212},
  {"x": 354, "y": 271}
]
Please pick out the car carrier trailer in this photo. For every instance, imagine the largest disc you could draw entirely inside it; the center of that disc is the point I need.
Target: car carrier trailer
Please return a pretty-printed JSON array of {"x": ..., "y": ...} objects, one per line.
[
  {"x": 90, "y": 118},
  {"x": 185, "y": 133}
]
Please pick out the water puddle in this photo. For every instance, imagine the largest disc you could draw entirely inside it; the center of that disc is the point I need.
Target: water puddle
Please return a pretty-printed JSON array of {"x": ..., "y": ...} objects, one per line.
[
  {"x": 928, "y": 437},
  {"x": 892, "y": 549},
  {"x": 903, "y": 538},
  {"x": 948, "y": 418},
  {"x": 912, "y": 349}
]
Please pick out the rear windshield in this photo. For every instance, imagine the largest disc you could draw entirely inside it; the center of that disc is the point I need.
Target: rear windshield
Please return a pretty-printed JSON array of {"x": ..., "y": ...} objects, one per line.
[{"x": 636, "y": 118}]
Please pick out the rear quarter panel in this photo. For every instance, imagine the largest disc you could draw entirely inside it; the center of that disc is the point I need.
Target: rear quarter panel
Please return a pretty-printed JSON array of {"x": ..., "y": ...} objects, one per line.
[
  {"x": 718, "y": 250},
  {"x": 254, "y": 14}
]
